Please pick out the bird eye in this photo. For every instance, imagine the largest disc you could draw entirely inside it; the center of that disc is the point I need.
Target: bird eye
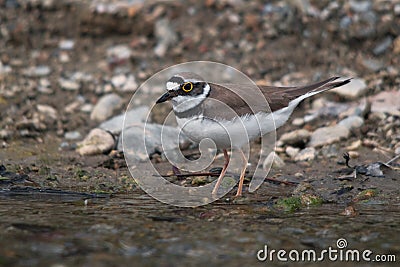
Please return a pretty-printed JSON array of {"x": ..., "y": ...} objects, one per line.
[{"x": 187, "y": 87}]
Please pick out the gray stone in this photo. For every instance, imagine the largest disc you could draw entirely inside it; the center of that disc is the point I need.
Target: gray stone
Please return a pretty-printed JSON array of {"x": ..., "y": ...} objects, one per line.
[
  {"x": 383, "y": 46},
  {"x": 69, "y": 85},
  {"x": 386, "y": 102},
  {"x": 360, "y": 6},
  {"x": 354, "y": 89},
  {"x": 352, "y": 122},
  {"x": 306, "y": 154},
  {"x": 274, "y": 161},
  {"x": 115, "y": 124},
  {"x": 373, "y": 64},
  {"x": 118, "y": 53},
  {"x": 74, "y": 135},
  {"x": 166, "y": 36},
  {"x": 4, "y": 68},
  {"x": 328, "y": 135},
  {"x": 124, "y": 83},
  {"x": 292, "y": 151},
  {"x": 144, "y": 140},
  {"x": 47, "y": 111},
  {"x": 96, "y": 142},
  {"x": 295, "y": 137},
  {"x": 37, "y": 71},
  {"x": 105, "y": 107}
]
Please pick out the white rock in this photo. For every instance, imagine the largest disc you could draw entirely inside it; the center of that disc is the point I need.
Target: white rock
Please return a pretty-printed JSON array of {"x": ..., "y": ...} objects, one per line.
[
  {"x": 48, "y": 111},
  {"x": 355, "y": 145},
  {"x": 37, "y": 71},
  {"x": 352, "y": 122},
  {"x": 74, "y": 135},
  {"x": 166, "y": 36},
  {"x": 140, "y": 143},
  {"x": 118, "y": 80},
  {"x": 66, "y": 44},
  {"x": 274, "y": 161},
  {"x": 306, "y": 154},
  {"x": 298, "y": 122},
  {"x": 292, "y": 151},
  {"x": 105, "y": 107},
  {"x": 386, "y": 102},
  {"x": 118, "y": 53},
  {"x": 87, "y": 108},
  {"x": 69, "y": 85},
  {"x": 97, "y": 142},
  {"x": 354, "y": 89},
  {"x": 328, "y": 135},
  {"x": 115, "y": 124},
  {"x": 295, "y": 137}
]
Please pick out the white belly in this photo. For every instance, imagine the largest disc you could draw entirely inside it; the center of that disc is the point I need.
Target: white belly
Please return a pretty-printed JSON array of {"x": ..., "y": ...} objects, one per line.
[{"x": 228, "y": 134}]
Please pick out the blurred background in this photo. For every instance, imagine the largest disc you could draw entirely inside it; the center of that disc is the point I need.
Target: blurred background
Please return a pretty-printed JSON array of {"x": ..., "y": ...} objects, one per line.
[{"x": 68, "y": 66}]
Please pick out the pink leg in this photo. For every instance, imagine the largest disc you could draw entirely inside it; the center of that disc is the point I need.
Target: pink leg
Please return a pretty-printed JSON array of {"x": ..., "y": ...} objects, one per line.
[
  {"x": 221, "y": 176},
  {"x": 240, "y": 187}
]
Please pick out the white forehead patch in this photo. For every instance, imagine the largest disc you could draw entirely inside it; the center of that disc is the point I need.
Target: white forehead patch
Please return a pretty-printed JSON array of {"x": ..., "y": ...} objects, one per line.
[{"x": 172, "y": 86}]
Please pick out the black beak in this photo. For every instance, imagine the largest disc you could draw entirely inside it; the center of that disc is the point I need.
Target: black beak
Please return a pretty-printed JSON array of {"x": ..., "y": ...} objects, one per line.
[{"x": 164, "y": 97}]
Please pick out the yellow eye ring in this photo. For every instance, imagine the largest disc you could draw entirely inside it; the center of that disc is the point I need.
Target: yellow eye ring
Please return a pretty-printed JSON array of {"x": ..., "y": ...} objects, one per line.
[{"x": 187, "y": 87}]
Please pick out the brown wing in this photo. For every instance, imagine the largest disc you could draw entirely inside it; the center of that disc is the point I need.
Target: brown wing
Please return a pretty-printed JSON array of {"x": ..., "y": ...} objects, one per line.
[{"x": 277, "y": 97}]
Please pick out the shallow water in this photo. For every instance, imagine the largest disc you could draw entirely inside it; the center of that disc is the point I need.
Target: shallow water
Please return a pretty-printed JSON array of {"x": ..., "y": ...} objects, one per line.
[{"x": 135, "y": 230}]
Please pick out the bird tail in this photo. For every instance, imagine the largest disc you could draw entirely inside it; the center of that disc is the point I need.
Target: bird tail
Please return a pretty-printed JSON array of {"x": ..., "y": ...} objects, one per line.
[{"x": 316, "y": 88}]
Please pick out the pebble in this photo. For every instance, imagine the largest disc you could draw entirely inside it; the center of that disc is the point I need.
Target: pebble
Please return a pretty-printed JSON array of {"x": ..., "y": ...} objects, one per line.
[
  {"x": 124, "y": 83},
  {"x": 4, "y": 68},
  {"x": 322, "y": 107},
  {"x": 353, "y": 154},
  {"x": 328, "y": 135},
  {"x": 73, "y": 106},
  {"x": 373, "y": 64},
  {"x": 69, "y": 85},
  {"x": 296, "y": 137},
  {"x": 36, "y": 71},
  {"x": 386, "y": 102},
  {"x": 165, "y": 35},
  {"x": 66, "y": 44},
  {"x": 115, "y": 124},
  {"x": 118, "y": 54},
  {"x": 105, "y": 107},
  {"x": 74, "y": 135},
  {"x": 292, "y": 151},
  {"x": 5, "y": 134},
  {"x": 298, "y": 122},
  {"x": 96, "y": 142},
  {"x": 306, "y": 154},
  {"x": 87, "y": 108},
  {"x": 47, "y": 110},
  {"x": 137, "y": 150},
  {"x": 396, "y": 43},
  {"x": 354, "y": 146},
  {"x": 397, "y": 9},
  {"x": 383, "y": 46},
  {"x": 360, "y": 6},
  {"x": 352, "y": 122},
  {"x": 397, "y": 150},
  {"x": 274, "y": 161},
  {"x": 352, "y": 90}
]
